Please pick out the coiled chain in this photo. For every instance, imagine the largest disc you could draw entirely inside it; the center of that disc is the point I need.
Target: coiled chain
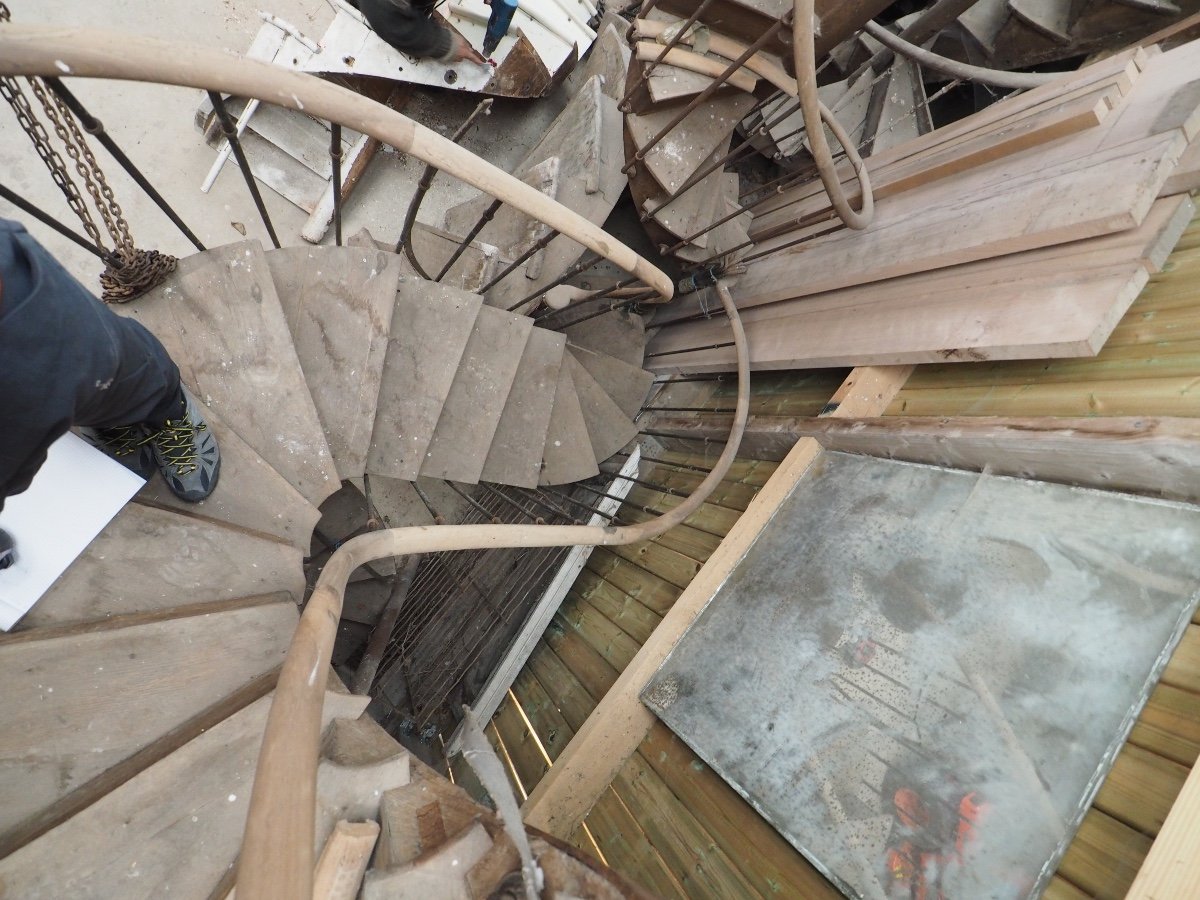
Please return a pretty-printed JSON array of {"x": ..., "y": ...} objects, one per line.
[{"x": 129, "y": 272}]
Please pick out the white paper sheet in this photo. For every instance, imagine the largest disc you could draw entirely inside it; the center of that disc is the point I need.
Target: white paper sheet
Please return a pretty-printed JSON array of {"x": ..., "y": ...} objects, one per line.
[{"x": 74, "y": 495}]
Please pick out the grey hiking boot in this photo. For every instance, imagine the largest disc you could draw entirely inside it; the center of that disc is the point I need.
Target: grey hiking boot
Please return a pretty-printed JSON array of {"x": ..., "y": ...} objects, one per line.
[
  {"x": 8, "y": 550},
  {"x": 187, "y": 455},
  {"x": 126, "y": 444}
]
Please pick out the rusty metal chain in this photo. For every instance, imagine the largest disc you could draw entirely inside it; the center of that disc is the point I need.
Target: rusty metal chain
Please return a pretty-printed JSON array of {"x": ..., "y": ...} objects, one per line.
[
  {"x": 72, "y": 140},
  {"x": 130, "y": 272},
  {"x": 12, "y": 92}
]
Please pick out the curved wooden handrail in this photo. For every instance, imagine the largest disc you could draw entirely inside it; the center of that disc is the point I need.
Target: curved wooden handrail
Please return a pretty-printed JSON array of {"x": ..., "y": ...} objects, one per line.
[
  {"x": 277, "y": 856},
  {"x": 96, "y": 53},
  {"x": 277, "y": 851}
]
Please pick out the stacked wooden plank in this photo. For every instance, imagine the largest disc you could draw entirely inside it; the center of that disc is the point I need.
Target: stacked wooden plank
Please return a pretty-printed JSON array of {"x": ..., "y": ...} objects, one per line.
[{"x": 1022, "y": 232}]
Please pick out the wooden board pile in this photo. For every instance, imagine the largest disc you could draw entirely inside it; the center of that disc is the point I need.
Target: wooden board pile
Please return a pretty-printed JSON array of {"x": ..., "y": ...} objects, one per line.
[{"x": 1023, "y": 231}]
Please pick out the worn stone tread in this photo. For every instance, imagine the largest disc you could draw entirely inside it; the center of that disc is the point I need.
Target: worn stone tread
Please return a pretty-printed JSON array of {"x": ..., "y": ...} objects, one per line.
[
  {"x": 472, "y": 411},
  {"x": 515, "y": 456},
  {"x": 220, "y": 319},
  {"x": 338, "y": 305}
]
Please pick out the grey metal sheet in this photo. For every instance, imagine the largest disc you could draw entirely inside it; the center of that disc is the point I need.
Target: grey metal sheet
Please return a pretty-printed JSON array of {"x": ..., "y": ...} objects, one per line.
[{"x": 922, "y": 675}]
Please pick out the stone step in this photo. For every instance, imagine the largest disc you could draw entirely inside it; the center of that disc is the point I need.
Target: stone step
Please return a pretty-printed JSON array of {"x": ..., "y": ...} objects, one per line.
[
  {"x": 515, "y": 456},
  {"x": 510, "y": 230},
  {"x": 149, "y": 559},
  {"x": 250, "y": 494},
  {"x": 686, "y": 216},
  {"x": 471, "y": 413},
  {"x": 220, "y": 319},
  {"x": 431, "y": 326},
  {"x": 471, "y": 271},
  {"x": 609, "y": 429},
  {"x": 984, "y": 21},
  {"x": 586, "y": 137},
  {"x": 627, "y": 385},
  {"x": 903, "y": 108},
  {"x": 1049, "y": 17},
  {"x": 84, "y": 699},
  {"x": 172, "y": 830},
  {"x": 692, "y": 142},
  {"x": 619, "y": 333},
  {"x": 723, "y": 239},
  {"x": 338, "y": 305},
  {"x": 568, "y": 455}
]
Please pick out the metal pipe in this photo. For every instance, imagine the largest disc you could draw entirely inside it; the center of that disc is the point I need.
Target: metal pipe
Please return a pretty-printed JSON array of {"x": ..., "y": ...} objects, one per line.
[
  {"x": 994, "y": 77},
  {"x": 404, "y": 244},
  {"x": 936, "y": 17},
  {"x": 488, "y": 215},
  {"x": 475, "y": 504},
  {"x": 229, "y": 130},
  {"x": 438, "y": 518},
  {"x": 95, "y": 127},
  {"x": 648, "y": 68},
  {"x": 814, "y": 112},
  {"x": 364, "y": 675},
  {"x": 537, "y": 245},
  {"x": 690, "y": 349},
  {"x": 586, "y": 263},
  {"x": 765, "y": 38},
  {"x": 335, "y": 157},
  {"x": 21, "y": 203}
]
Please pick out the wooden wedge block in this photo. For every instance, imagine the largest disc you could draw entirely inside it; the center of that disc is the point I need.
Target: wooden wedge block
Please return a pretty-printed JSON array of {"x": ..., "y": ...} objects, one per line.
[
  {"x": 471, "y": 413},
  {"x": 344, "y": 859},
  {"x": 220, "y": 319},
  {"x": 419, "y": 817},
  {"x": 627, "y": 385},
  {"x": 568, "y": 455},
  {"x": 430, "y": 330},
  {"x": 1080, "y": 100},
  {"x": 442, "y": 873},
  {"x": 80, "y": 701},
  {"x": 470, "y": 272},
  {"x": 338, "y": 305},
  {"x": 150, "y": 559},
  {"x": 609, "y": 429},
  {"x": 249, "y": 495},
  {"x": 515, "y": 456}
]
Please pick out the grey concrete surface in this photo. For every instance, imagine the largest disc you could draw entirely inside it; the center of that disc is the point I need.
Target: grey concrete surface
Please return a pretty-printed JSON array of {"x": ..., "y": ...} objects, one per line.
[{"x": 154, "y": 125}]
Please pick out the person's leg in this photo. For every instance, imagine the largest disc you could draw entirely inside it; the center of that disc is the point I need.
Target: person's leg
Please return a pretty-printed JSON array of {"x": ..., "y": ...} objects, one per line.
[{"x": 75, "y": 362}]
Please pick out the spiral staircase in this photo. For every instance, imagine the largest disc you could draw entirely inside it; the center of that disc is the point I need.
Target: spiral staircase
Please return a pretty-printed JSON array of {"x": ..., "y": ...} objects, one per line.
[{"x": 136, "y": 688}]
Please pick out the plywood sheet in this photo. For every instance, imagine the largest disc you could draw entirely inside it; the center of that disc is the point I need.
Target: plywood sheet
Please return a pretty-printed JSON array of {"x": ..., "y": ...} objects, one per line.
[{"x": 921, "y": 665}]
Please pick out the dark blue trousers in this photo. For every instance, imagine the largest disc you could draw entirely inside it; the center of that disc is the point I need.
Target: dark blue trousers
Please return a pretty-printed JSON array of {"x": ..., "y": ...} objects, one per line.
[{"x": 67, "y": 359}]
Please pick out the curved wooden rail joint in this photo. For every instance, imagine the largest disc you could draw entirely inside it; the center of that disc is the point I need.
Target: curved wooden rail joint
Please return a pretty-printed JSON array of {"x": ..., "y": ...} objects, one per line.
[{"x": 96, "y": 53}]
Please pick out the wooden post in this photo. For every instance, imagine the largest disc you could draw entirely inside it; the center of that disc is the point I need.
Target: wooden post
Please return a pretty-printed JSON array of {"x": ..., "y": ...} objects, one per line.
[{"x": 620, "y": 722}]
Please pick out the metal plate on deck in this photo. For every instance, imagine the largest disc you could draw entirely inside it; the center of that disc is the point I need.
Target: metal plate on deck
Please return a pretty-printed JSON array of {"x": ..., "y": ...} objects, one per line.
[{"x": 920, "y": 676}]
